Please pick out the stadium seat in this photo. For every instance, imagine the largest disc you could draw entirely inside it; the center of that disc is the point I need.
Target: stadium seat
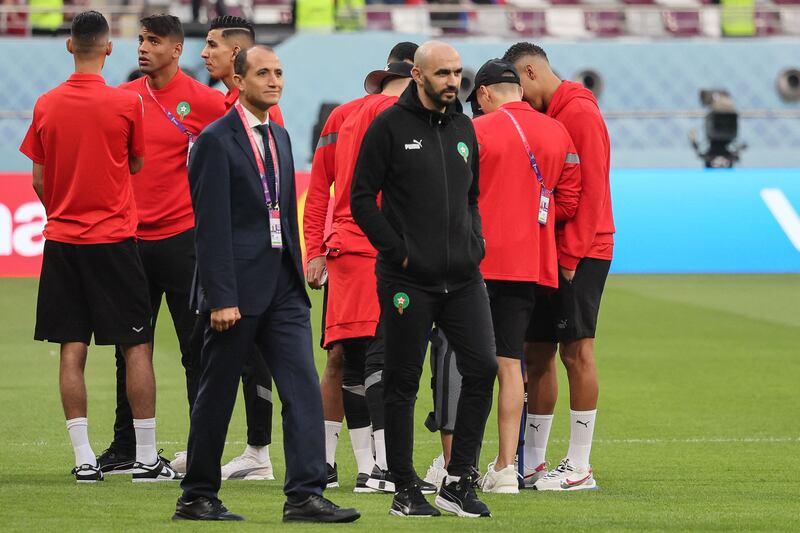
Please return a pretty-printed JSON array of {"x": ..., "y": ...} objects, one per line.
[
  {"x": 528, "y": 23},
  {"x": 379, "y": 21},
  {"x": 790, "y": 21},
  {"x": 567, "y": 23},
  {"x": 682, "y": 23},
  {"x": 605, "y": 23},
  {"x": 767, "y": 23},
  {"x": 644, "y": 23}
]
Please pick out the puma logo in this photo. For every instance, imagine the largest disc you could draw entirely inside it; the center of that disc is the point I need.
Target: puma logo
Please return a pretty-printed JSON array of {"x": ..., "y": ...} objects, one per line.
[
  {"x": 584, "y": 424},
  {"x": 414, "y": 145},
  {"x": 534, "y": 426}
]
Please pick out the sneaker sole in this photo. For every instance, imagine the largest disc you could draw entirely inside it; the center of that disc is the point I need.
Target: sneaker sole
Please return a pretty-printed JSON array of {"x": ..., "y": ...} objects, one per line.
[
  {"x": 334, "y": 485},
  {"x": 113, "y": 472},
  {"x": 450, "y": 507},
  {"x": 502, "y": 490},
  {"x": 381, "y": 486},
  {"x": 318, "y": 520},
  {"x": 155, "y": 480},
  {"x": 584, "y": 486},
  {"x": 392, "y": 512},
  {"x": 251, "y": 477},
  {"x": 365, "y": 490},
  {"x": 87, "y": 481}
]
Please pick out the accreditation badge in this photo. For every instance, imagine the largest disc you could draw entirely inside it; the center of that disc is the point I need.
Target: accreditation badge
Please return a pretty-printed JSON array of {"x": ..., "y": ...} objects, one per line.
[
  {"x": 544, "y": 205},
  {"x": 275, "y": 228}
]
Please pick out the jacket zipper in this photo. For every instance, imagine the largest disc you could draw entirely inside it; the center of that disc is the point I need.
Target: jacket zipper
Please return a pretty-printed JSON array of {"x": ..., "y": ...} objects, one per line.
[{"x": 437, "y": 127}]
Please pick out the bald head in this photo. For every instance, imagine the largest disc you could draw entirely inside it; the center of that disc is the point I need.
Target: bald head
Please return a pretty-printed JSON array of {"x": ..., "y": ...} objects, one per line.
[
  {"x": 435, "y": 53},
  {"x": 437, "y": 73}
]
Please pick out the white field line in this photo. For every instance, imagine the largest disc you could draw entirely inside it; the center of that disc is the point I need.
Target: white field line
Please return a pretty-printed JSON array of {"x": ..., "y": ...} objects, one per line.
[{"x": 688, "y": 440}]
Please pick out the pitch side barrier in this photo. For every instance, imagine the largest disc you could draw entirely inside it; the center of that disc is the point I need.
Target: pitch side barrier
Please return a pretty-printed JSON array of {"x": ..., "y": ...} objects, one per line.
[{"x": 674, "y": 221}]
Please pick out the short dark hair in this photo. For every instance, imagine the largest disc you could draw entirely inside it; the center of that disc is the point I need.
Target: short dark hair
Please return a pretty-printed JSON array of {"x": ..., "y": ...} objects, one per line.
[
  {"x": 240, "y": 61},
  {"x": 86, "y": 30},
  {"x": 520, "y": 50},
  {"x": 402, "y": 52},
  {"x": 232, "y": 26},
  {"x": 164, "y": 26}
]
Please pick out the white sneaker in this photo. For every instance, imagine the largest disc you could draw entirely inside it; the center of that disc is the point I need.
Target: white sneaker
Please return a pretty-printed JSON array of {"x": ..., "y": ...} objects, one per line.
[
  {"x": 179, "y": 463},
  {"x": 567, "y": 477},
  {"x": 506, "y": 481},
  {"x": 249, "y": 468},
  {"x": 436, "y": 472},
  {"x": 532, "y": 475}
]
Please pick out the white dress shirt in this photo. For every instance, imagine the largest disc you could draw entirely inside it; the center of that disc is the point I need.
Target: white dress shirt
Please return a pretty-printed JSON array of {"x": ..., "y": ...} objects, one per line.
[{"x": 253, "y": 121}]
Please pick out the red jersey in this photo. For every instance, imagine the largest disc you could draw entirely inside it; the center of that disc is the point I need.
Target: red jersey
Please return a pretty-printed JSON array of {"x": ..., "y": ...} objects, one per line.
[
  {"x": 161, "y": 188},
  {"x": 591, "y": 233},
  {"x": 274, "y": 112},
  {"x": 323, "y": 173},
  {"x": 518, "y": 248},
  {"x": 346, "y": 236},
  {"x": 83, "y": 133}
]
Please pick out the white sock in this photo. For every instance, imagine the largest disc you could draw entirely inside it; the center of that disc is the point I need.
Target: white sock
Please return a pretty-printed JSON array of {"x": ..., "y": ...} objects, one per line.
[
  {"x": 79, "y": 435},
  {"x": 537, "y": 432},
  {"x": 145, "y": 429},
  {"x": 580, "y": 437},
  {"x": 259, "y": 453},
  {"x": 332, "y": 430},
  {"x": 361, "y": 439},
  {"x": 379, "y": 439}
]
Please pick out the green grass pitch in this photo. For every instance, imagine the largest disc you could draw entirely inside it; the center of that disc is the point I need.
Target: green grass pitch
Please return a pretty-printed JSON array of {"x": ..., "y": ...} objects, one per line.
[{"x": 698, "y": 425}]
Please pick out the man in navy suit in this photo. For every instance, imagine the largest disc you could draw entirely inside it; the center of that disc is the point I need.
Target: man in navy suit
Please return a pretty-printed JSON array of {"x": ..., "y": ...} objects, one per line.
[{"x": 250, "y": 280}]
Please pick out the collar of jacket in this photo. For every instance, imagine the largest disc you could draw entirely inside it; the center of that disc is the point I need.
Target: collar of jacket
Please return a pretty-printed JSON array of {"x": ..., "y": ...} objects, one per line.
[{"x": 410, "y": 100}]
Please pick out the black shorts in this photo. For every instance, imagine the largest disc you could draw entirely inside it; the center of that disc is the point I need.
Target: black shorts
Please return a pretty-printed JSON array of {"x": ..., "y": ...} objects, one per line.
[
  {"x": 570, "y": 313},
  {"x": 88, "y": 289},
  {"x": 512, "y": 304}
]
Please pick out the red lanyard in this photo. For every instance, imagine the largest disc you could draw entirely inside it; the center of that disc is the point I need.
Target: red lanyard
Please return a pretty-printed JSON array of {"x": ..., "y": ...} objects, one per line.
[
  {"x": 169, "y": 115},
  {"x": 262, "y": 174}
]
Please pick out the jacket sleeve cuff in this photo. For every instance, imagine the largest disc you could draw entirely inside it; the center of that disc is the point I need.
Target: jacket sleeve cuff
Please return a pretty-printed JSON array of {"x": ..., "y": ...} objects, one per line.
[{"x": 567, "y": 261}]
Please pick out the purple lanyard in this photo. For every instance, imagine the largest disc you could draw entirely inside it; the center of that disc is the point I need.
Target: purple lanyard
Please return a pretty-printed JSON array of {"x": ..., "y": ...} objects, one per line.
[
  {"x": 169, "y": 115},
  {"x": 262, "y": 174},
  {"x": 531, "y": 157}
]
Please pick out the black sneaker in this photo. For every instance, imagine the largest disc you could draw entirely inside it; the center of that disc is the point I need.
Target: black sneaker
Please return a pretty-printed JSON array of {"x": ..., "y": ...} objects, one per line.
[
  {"x": 361, "y": 484},
  {"x": 458, "y": 497},
  {"x": 381, "y": 480},
  {"x": 426, "y": 488},
  {"x": 160, "y": 471},
  {"x": 113, "y": 461},
  {"x": 87, "y": 473},
  {"x": 333, "y": 477},
  {"x": 410, "y": 502}
]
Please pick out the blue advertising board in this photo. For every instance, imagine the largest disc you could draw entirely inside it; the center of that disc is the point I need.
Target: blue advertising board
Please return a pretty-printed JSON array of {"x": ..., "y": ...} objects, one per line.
[{"x": 706, "y": 221}]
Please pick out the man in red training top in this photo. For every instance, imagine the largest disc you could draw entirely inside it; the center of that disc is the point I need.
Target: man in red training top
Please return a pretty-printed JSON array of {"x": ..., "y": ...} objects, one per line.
[
  {"x": 529, "y": 182},
  {"x": 585, "y": 251},
  {"x": 85, "y": 141},
  {"x": 323, "y": 174},
  {"x": 227, "y": 36},
  {"x": 353, "y": 312},
  {"x": 176, "y": 109}
]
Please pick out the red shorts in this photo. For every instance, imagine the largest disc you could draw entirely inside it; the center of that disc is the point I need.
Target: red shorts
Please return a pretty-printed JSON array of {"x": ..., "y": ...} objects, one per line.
[{"x": 352, "y": 309}]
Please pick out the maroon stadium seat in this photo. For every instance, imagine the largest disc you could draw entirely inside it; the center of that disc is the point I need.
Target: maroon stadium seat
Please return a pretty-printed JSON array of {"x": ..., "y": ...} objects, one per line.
[
  {"x": 380, "y": 21},
  {"x": 682, "y": 23},
  {"x": 605, "y": 23},
  {"x": 768, "y": 23},
  {"x": 528, "y": 23}
]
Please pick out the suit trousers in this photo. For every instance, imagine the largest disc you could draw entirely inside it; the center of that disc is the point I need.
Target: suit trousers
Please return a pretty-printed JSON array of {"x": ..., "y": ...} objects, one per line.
[
  {"x": 282, "y": 334},
  {"x": 464, "y": 316}
]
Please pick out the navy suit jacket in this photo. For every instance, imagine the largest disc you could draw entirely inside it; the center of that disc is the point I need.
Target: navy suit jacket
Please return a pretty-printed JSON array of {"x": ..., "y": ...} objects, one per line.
[{"x": 236, "y": 264}]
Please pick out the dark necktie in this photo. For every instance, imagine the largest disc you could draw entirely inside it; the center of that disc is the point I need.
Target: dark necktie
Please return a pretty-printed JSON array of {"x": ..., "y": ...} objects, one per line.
[{"x": 269, "y": 165}]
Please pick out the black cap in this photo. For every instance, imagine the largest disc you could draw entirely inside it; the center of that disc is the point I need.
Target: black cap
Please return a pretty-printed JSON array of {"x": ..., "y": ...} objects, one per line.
[
  {"x": 493, "y": 71},
  {"x": 373, "y": 83}
]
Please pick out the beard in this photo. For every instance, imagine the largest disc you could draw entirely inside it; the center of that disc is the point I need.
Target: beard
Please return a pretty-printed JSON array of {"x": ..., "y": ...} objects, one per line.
[{"x": 438, "y": 96}]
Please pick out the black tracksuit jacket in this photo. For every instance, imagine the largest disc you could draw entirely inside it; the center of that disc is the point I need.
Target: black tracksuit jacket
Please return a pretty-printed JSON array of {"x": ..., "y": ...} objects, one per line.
[{"x": 425, "y": 165}]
